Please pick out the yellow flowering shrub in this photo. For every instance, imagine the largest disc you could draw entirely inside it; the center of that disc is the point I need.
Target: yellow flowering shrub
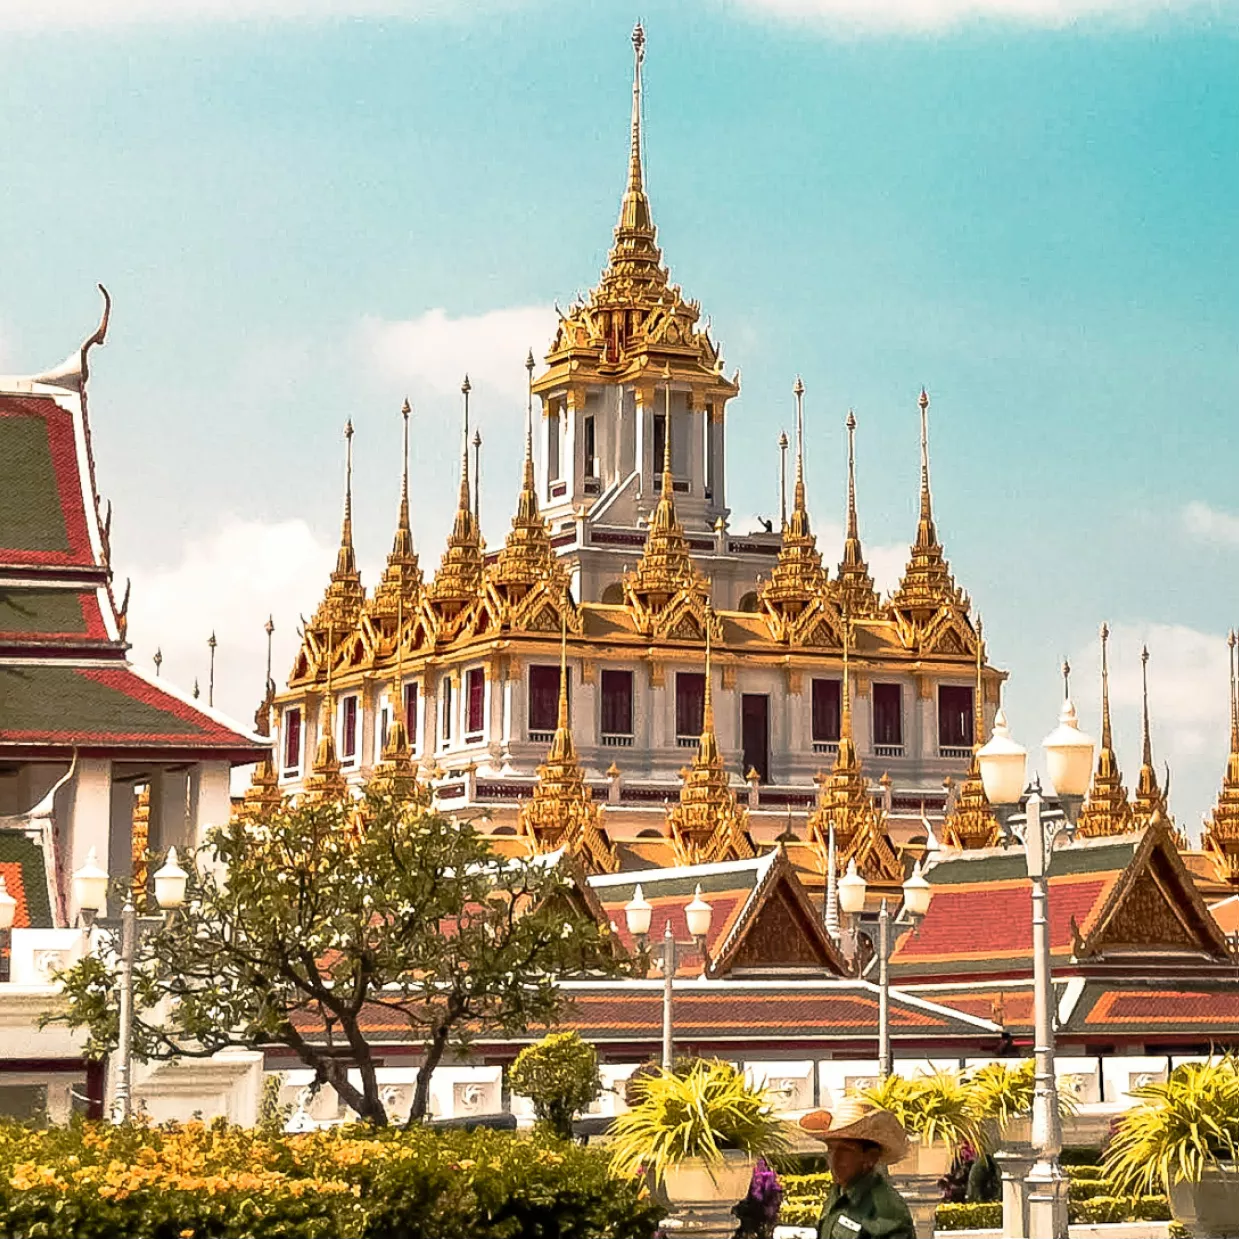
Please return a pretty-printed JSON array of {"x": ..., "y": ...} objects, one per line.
[{"x": 197, "y": 1181}]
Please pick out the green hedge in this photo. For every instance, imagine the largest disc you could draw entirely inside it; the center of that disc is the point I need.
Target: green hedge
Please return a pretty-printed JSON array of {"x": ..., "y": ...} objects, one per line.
[
  {"x": 969, "y": 1217},
  {"x": 800, "y": 1211},
  {"x": 817, "y": 1185},
  {"x": 92, "y": 1181},
  {"x": 1121, "y": 1209}
]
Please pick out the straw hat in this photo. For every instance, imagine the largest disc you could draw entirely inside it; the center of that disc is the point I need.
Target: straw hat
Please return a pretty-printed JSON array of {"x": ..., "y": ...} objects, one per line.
[{"x": 852, "y": 1119}]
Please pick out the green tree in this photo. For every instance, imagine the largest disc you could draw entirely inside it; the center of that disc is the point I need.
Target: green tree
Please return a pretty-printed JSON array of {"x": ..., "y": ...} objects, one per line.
[
  {"x": 559, "y": 1075},
  {"x": 307, "y": 927}
]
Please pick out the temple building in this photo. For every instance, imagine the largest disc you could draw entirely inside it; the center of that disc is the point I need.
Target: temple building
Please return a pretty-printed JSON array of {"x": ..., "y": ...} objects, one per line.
[{"x": 621, "y": 543}]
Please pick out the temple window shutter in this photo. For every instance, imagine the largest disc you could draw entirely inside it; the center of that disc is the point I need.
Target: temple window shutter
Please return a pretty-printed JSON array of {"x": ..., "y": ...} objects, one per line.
[
  {"x": 826, "y": 709},
  {"x": 690, "y": 696}
]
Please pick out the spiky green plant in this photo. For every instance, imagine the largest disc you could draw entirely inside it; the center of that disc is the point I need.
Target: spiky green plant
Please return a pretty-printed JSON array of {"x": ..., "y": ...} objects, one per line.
[
  {"x": 935, "y": 1107},
  {"x": 999, "y": 1093},
  {"x": 1180, "y": 1128},
  {"x": 709, "y": 1108}
]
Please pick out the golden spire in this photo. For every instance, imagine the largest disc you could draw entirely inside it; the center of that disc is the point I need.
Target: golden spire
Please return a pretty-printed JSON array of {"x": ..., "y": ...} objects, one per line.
[
  {"x": 1221, "y": 834},
  {"x": 707, "y": 824},
  {"x": 666, "y": 566},
  {"x": 401, "y": 584},
  {"x": 561, "y": 813},
  {"x": 927, "y": 582},
  {"x": 459, "y": 579},
  {"x": 971, "y": 823},
  {"x": 395, "y": 772},
  {"x": 325, "y": 781},
  {"x": 527, "y": 557},
  {"x": 1108, "y": 809},
  {"x": 263, "y": 794},
  {"x": 844, "y": 801},
  {"x": 341, "y": 605},
  {"x": 854, "y": 585},
  {"x": 797, "y": 577},
  {"x": 1149, "y": 804}
]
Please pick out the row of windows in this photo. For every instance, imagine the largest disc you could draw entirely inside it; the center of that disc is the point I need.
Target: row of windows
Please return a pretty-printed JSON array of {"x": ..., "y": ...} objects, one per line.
[{"x": 955, "y": 713}]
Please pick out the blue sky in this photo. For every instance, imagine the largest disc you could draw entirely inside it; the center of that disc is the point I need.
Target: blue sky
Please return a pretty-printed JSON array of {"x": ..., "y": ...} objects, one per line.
[{"x": 304, "y": 208}]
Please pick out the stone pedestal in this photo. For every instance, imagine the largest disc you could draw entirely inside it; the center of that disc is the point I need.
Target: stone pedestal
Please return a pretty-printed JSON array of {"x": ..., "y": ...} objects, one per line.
[
  {"x": 1047, "y": 1201},
  {"x": 1014, "y": 1163},
  {"x": 922, "y": 1193}
]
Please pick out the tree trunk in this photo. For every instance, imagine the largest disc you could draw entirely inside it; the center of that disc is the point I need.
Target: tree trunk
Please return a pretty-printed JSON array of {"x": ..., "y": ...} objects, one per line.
[
  {"x": 421, "y": 1094},
  {"x": 369, "y": 1108}
]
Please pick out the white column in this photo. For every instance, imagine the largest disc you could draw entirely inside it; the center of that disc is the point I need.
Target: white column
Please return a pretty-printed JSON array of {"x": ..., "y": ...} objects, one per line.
[
  {"x": 210, "y": 800},
  {"x": 90, "y": 818},
  {"x": 169, "y": 809},
  {"x": 720, "y": 477}
]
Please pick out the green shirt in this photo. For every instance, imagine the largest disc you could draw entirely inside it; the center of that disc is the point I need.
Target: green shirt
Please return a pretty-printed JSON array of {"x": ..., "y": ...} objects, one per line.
[{"x": 869, "y": 1209}]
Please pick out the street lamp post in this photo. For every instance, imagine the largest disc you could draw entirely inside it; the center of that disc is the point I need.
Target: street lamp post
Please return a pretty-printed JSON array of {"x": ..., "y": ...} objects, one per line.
[
  {"x": 1069, "y": 760},
  {"x": 698, "y": 914},
  {"x": 90, "y": 891},
  {"x": 916, "y": 896}
]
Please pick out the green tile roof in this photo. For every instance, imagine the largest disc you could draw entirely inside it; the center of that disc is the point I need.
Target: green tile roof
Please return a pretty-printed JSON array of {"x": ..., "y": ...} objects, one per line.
[{"x": 31, "y": 518}]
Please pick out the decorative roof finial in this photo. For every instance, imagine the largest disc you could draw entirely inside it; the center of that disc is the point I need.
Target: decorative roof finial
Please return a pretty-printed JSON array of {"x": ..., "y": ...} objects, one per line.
[
  {"x": 528, "y": 479},
  {"x": 636, "y": 176},
  {"x": 477, "y": 477},
  {"x": 158, "y": 661},
  {"x": 1234, "y": 695},
  {"x": 269, "y": 629},
  {"x": 463, "y": 504},
  {"x": 798, "y": 501},
  {"x": 346, "y": 559},
  {"x": 978, "y": 704},
  {"x": 1146, "y": 744},
  {"x": 845, "y": 720},
  {"x": 853, "y": 524},
  {"x": 855, "y": 588},
  {"x": 782, "y": 479},
  {"x": 1066, "y": 680},
  {"x": 1107, "y": 740},
  {"x": 668, "y": 480},
  {"x": 405, "y": 410},
  {"x": 707, "y": 707},
  {"x": 927, "y": 515},
  {"x": 211, "y": 644}
]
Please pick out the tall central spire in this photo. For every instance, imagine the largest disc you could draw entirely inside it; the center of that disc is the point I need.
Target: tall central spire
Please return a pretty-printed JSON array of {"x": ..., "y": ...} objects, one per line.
[
  {"x": 1149, "y": 805},
  {"x": 342, "y": 603},
  {"x": 635, "y": 209},
  {"x": 854, "y": 585},
  {"x": 396, "y": 595},
  {"x": 346, "y": 558},
  {"x": 1107, "y": 810},
  {"x": 925, "y": 534}
]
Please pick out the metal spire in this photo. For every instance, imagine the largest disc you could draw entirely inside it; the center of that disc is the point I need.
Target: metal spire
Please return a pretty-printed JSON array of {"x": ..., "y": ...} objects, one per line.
[
  {"x": 211, "y": 643},
  {"x": 158, "y": 661},
  {"x": 1234, "y": 694},
  {"x": 463, "y": 504},
  {"x": 528, "y": 479},
  {"x": 853, "y": 531},
  {"x": 783, "y": 479},
  {"x": 798, "y": 500},
  {"x": 1146, "y": 751},
  {"x": 346, "y": 559},
  {"x": 405, "y": 410},
  {"x": 1107, "y": 741},
  {"x": 978, "y": 704},
  {"x": 927, "y": 515},
  {"x": 477, "y": 477},
  {"x": 269, "y": 629}
]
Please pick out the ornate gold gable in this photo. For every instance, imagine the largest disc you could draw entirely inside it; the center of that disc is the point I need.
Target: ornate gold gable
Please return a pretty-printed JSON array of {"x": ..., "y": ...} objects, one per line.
[
  {"x": 668, "y": 597},
  {"x": 1107, "y": 811},
  {"x": 562, "y": 812},
  {"x": 844, "y": 802},
  {"x": 928, "y": 607},
  {"x": 325, "y": 782},
  {"x": 458, "y": 583},
  {"x": 635, "y": 314},
  {"x": 972, "y": 823},
  {"x": 1221, "y": 835},
  {"x": 796, "y": 597},
  {"x": 708, "y": 825},
  {"x": 854, "y": 586},
  {"x": 399, "y": 590},
  {"x": 1149, "y": 806},
  {"x": 527, "y": 587},
  {"x": 338, "y": 613}
]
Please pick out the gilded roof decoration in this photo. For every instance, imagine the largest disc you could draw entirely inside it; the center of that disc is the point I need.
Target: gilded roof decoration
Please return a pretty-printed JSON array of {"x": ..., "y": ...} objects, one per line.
[
  {"x": 844, "y": 802},
  {"x": 971, "y": 823},
  {"x": 401, "y": 584},
  {"x": 927, "y": 586},
  {"x": 561, "y": 813},
  {"x": 341, "y": 607},
  {"x": 325, "y": 782},
  {"x": 1107, "y": 811},
  {"x": 635, "y": 311},
  {"x": 854, "y": 587},
  {"x": 707, "y": 824},
  {"x": 1221, "y": 834},
  {"x": 527, "y": 586},
  {"x": 1149, "y": 805},
  {"x": 668, "y": 596},
  {"x": 458, "y": 582},
  {"x": 796, "y": 595}
]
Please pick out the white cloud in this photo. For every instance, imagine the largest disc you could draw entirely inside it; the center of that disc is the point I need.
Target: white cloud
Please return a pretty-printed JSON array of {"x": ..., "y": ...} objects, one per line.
[
  {"x": 70, "y": 14},
  {"x": 1209, "y": 525},
  {"x": 228, "y": 583},
  {"x": 438, "y": 351},
  {"x": 1188, "y": 707},
  {"x": 933, "y": 15}
]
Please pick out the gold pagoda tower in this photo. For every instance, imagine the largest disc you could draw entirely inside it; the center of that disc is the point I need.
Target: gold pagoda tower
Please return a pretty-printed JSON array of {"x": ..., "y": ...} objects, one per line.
[
  {"x": 1221, "y": 834},
  {"x": 971, "y": 823},
  {"x": 1107, "y": 811}
]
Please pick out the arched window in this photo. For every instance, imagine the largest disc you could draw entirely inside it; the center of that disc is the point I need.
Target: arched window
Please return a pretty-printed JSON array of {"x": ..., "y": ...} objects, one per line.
[
  {"x": 749, "y": 602},
  {"x": 613, "y": 595}
]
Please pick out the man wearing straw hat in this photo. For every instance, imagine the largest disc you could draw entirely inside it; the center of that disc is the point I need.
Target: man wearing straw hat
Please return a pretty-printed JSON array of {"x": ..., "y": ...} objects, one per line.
[{"x": 862, "y": 1203}]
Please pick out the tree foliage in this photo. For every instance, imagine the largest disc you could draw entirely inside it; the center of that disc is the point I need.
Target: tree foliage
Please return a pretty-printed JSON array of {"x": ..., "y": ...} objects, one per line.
[
  {"x": 313, "y": 925},
  {"x": 559, "y": 1075}
]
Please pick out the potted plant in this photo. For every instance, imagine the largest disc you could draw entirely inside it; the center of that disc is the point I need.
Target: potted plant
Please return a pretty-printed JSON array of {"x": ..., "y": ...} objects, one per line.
[
  {"x": 696, "y": 1134},
  {"x": 936, "y": 1112},
  {"x": 1183, "y": 1138}
]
